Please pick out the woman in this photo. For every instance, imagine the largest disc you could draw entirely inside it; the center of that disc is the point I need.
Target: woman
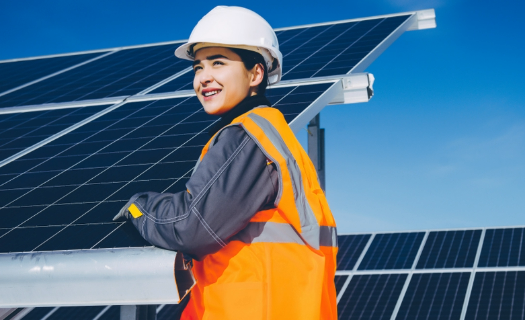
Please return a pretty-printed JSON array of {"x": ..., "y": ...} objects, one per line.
[{"x": 254, "y": 218}]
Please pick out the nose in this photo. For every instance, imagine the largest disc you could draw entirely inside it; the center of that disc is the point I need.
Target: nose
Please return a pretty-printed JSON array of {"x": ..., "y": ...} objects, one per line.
[{"x": 205, "y": 76}]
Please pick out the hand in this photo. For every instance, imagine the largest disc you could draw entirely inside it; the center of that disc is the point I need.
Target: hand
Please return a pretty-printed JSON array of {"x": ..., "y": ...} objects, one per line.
[{"x": 123, "y": 214}]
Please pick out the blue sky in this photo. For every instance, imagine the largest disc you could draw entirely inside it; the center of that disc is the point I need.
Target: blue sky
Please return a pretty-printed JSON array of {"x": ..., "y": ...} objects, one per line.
[{"x": 440, "y": 145}]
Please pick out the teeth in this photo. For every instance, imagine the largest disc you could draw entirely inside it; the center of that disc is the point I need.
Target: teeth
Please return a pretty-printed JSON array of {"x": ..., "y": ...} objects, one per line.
[{"x": 210, "y": 93}]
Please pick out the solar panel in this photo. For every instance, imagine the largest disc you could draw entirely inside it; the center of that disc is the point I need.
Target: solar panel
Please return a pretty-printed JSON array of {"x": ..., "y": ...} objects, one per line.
[
  {"x": 371, "y": 296},
  {"x": 450, "y": 249},
  {"x": 503, "y": 247},
  {"x": 21, "y": 130},
  {"x": 434, "y": 296},
  {"x": 72, "y": 187},
  {"x": 17, "y": 73},
  {"x": 332, "y": 49},
  {"x": 122, "y": 73},
  {"x": 497, "y": 295},
  {"x": 350, "y": 248},
  {"x": 392, "y": 251}
]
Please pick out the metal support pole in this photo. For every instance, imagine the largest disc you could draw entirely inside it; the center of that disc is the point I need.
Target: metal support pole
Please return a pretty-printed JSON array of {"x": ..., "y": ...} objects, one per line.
[
  {"x": 316, "y": 148},
  {"x": 147, "y": 312}
]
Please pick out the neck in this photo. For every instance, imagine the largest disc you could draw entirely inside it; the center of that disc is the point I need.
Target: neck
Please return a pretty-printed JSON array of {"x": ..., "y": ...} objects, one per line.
[{"x": 244, "y": 106}]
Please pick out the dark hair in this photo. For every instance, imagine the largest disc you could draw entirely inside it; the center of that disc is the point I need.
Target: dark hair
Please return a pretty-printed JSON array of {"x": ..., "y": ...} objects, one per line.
[{"x": 250, "y": 59}]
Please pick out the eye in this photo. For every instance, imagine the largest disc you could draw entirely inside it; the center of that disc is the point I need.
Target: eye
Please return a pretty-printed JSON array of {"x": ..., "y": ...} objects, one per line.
[
  {"x": 196, "y": 68},
  {"x": 218, "y": 63}
]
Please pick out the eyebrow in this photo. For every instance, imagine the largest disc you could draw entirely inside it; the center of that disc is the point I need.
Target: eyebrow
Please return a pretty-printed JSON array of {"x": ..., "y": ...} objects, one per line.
[{"x": 215, "y": 56}]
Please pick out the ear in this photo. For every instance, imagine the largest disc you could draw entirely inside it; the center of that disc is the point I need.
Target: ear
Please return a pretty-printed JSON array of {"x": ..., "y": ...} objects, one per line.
[{"x": 257, "y": 75}]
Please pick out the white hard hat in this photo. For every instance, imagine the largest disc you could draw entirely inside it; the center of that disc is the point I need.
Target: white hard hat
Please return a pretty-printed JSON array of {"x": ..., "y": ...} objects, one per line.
[{"x": 236, "y": 27}]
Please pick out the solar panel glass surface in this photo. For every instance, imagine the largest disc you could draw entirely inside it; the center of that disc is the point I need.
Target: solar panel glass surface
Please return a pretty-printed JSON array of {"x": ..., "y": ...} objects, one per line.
[
  {"x": 339, "y": 282},
  {"x": 21, "y": 130},
  {"x": 327, "y": 50},
  {"x": 450, "y": 249},
  {"x": 350, "y": 249},
  {"x": 503, "y": 248},
  {"x": 125, "y": 72},
  {"x": 434, "y": 296},
  {"x": 63, "y": 195},
  {"x": 17, "y": 73},
  {"x": 497, "y": 295},
  {"x": 371, "y": 296},
  {"x": 392, "y": 251}
]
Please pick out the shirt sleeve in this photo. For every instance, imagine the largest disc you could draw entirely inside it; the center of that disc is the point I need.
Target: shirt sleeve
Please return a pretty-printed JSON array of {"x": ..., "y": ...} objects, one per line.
[{"x": 233, "y": 182}]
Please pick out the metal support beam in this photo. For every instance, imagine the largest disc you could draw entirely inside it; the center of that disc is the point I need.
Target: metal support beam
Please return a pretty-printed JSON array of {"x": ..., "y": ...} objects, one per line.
[
  {"x": 147, "y": 312},
  {"x": 316, "y": 148},
  {"x": 127, "y": 276}
]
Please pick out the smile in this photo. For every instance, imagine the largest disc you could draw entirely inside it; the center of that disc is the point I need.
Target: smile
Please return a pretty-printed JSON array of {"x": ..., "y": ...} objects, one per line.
[{"x": 211, "y": 93}]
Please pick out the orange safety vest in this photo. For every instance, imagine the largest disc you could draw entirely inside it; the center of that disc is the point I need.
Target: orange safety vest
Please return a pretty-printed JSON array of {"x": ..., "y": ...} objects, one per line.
[{"x": 282, "y": 265}]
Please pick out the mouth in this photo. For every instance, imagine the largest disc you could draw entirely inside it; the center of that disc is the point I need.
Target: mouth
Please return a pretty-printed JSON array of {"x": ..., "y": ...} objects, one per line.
[{"x": 209, "y": 93}]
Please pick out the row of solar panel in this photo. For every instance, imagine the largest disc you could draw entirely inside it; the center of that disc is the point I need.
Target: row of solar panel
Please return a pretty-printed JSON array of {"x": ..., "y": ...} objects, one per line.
[
  {"x": 494, "y": 295},
  {"x": 63, "y": 195},
  {"x": 164, "y": 312},
  {"x": 442, "y": 249},
  {"x": 326, "y": 50}
]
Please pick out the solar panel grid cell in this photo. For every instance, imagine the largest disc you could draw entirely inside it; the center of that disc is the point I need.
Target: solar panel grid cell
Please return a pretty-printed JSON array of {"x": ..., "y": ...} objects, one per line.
[
  {"x": 497, "y": 295},
  {"x": 122, "y": 73},
  {"x": 450, "y": 249},
  {"x": 38, "y": 313},
  {"x": 371, "y": 296},
  {"x": 350, "y": 249},
  {"x": 17, "y": 73},
  {"x": 21, "y": 130},
  {"x": 339, "y": 282},
  {"x": 503, "y": 248},
  {"x": 319, "y": 51},
  {"x": 76, "y": 184},
  {"x": 77, "y": 313},
  {"x": 434, "y": 296},
  {"x": 392, "y": 251}
]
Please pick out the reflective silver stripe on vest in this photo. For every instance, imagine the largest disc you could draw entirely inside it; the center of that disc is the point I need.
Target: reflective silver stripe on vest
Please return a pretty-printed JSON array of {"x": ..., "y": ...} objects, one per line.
[
  {"x": 274, "y": 232},
  {"x": 310, "y": 230}
]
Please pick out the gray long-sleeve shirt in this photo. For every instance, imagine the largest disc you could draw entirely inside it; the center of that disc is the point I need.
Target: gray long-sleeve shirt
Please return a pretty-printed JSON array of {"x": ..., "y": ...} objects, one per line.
[{"x": 234, "y": 181}]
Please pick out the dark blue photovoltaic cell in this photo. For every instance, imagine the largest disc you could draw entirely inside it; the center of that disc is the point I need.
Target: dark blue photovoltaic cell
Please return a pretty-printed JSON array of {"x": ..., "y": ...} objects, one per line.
[
  {"x": 169, "y": 312},
  {"x": 122, "y": 73},
  {"x": 371, "y": 297},
  {"x": 503, "y": 248},
  {"x": 350, "y": 248},
  {"x": 497, "y": 295},
  {"x": 327, "y": 50},
  {"x": 339, "y": 282},
  {"x": 392, "y": 251},
  {"x": 63, "y": 195},
  {"x": 113, "y": 313},
  {"x": 434, "y": 296},
  {"x": 450, "y": 249},
  {"x": 77, "y": 313},
  {"x": 37, "y": 313},
  {"x": 21, "y": 130},
  {"x": 17, "y": 73}
]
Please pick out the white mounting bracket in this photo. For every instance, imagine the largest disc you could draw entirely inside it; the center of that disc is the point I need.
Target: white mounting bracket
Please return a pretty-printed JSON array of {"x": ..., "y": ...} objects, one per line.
[
  {"x": 426, "y": 19},
  {"x": 356, "y": 88}
]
